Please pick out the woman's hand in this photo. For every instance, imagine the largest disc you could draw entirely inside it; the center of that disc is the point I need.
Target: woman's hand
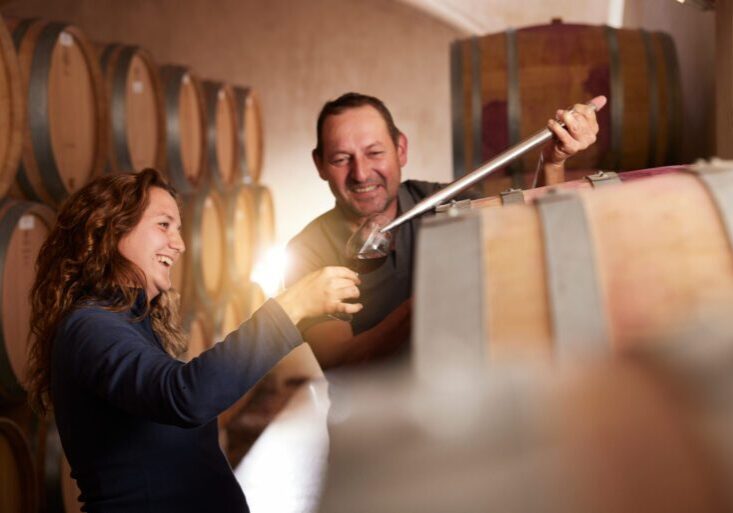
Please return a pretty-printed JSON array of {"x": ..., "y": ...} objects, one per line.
[{"x": 321, "y": 292}]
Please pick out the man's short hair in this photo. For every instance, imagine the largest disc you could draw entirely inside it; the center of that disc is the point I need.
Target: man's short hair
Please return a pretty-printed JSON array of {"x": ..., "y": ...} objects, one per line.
[{"x": 352, "y": 101}]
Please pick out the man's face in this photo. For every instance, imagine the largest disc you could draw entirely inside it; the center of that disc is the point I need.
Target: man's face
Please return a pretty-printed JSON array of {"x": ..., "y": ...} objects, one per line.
[{"x": 361, "y": 163}]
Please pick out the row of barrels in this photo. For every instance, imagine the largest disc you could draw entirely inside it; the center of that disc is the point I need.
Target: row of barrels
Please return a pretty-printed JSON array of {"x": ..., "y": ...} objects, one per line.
[
  {"x": 71, "y": 110},
  {"x": 225, "y": 234}
]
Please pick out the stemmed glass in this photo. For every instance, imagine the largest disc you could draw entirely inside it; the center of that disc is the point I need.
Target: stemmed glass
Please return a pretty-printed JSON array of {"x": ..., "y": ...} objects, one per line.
[{"x": 368, "y": 248}]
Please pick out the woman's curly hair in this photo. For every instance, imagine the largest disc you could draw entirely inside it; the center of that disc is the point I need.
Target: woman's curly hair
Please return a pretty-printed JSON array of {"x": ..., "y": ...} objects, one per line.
[{"x": 80, "y": 262}]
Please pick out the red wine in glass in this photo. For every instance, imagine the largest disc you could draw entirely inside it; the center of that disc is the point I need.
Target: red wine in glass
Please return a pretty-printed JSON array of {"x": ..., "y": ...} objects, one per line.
[{"x": 368, "y": 248}]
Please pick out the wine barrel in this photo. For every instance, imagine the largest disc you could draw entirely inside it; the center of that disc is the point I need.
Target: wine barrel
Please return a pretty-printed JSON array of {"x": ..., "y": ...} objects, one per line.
[
  {"x": 65, "y": 135},
  {"x": 185, "y": 129},
  {"x": 590, "y": 181},
  {"x": 641, "y": 433},
  {"x": 575, "y": 273},
  {"x": 24, "y": 227},
  {"x": 265, "y": 219},
  {"x": 136, "y": 109},
  {"x": 207, "y": 248},
  {"x": 221, "y": 123},
  {"x": 240, "y": 225},
  {"x": 238, "y": 306},
  {"x": 20, "y": 493},
  {"x": 505, "y": 86},
  {"x": 250, "y": 137},
  {"x": 12, "y": 110}
]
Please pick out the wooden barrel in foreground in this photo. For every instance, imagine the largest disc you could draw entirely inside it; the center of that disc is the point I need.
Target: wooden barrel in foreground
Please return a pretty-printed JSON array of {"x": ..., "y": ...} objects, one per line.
[
  {"x": 640, "y": 433},
  {"x": 24, "y": 227},
  {"x": 65, "y": 141},
  {"x": 19, "y": 489},
  {"x": 185, "y": 129},
  {"x": 505, "y": 86},
  {"x": 136, "y": 109},
  {"x": 12, "y": 110},
  {"x": 575, "y": 273},
  {"x": 590, "y": 181},
  {"x": 221, "y": 132},
  {"x": 250, "y": 136}
]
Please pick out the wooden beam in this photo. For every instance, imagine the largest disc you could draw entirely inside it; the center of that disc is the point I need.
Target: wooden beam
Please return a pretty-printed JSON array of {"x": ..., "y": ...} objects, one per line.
[{"x": 724, "y": 78}]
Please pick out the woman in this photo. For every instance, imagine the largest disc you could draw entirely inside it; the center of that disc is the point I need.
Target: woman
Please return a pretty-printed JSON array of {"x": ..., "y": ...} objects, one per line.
[{"x": 137, "y": 425}]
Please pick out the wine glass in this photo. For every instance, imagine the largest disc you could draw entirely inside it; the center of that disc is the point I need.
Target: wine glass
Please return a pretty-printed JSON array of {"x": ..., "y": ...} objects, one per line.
[{"x": 368, "y": 248}]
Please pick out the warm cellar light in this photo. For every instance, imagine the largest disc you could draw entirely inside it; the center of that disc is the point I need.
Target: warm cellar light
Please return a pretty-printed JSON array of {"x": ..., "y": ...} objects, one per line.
[{"x": 269, "y": 271}]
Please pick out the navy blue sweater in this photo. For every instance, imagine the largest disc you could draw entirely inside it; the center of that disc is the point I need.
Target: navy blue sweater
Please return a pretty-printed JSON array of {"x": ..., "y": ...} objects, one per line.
[{"x": 138, "y": 426}]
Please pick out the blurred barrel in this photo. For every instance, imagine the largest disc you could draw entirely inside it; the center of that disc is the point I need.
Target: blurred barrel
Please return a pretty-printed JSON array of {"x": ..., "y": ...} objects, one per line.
[
  {"x": 65, "y": 140},
  {"x": 249, "y": 136},
  {"x": 238, "y": 306},
  {"x": 136, "y": 108},
  {"x": 240, "y": 225},
  {"x": 221, "y": 132},
  {"x": 590, "y": 181},
  {"x": 641, "y": 433},
  {"x": 505, "y": 86},
  {"x": 575, "y": 273},
  {"x": 265, "y": 221},
  {"x": 185, "y": 129},
  {"x": 19, "y": 490},
  {"x": 12, "y": 110},
  {"x": 206, "y": 232},
  {"x": 24, "y": 227}
]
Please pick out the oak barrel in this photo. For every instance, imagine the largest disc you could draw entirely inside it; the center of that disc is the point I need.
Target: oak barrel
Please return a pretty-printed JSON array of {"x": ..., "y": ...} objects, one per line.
[
  {"x": 221, "y": 132},
  {"x": 65, "y": 140},
  {"x": 185, "y": 129},
  {"x": 206, "y": 232},
  {"x": 19, "y": 488},
  {"x": 590, "y": 181},
  {"x": 24, "y": 227},
  {"x": 575, "y": 273},
  {"x": 250, "y": 133},
  {"x": 240, "y": 226},
  {"x": 265, "y": 221},
  {"x": 505, "y": 86},
  {"x": 136, "y": 108},
  {"x": 12, "y": 110}
]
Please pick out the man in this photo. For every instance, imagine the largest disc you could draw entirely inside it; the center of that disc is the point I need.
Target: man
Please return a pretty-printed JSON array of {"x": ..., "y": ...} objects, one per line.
[{"x": 360, "y": 152}]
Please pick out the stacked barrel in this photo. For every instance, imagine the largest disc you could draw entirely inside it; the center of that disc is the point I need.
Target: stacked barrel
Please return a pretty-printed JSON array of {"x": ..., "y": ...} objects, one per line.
[
  {"x": 506, "y": 85},
  {"x": 71, "y": 110}
]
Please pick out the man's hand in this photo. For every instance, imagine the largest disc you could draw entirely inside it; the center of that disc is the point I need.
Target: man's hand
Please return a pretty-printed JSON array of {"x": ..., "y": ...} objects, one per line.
[{"x": 581, "y": 128}]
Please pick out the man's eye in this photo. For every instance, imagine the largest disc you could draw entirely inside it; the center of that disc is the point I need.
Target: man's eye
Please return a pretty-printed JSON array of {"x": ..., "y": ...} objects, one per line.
[
  {"x": 164, "y": 224},
  {"x": 339, "y": 161},
  {"x": 376, "y": 153}
]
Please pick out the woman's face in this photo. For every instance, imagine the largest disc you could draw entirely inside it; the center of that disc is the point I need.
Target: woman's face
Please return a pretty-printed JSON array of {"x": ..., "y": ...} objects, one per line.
[{"x": 155, "y": 243}]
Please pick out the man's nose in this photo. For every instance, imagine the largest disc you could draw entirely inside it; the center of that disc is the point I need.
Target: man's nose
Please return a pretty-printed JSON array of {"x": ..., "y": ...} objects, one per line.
[{"x": 359, "y": 169}]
